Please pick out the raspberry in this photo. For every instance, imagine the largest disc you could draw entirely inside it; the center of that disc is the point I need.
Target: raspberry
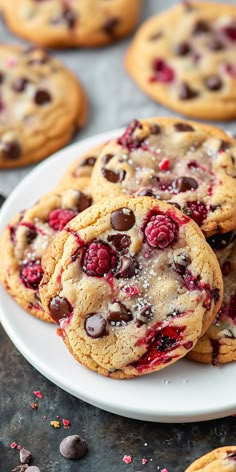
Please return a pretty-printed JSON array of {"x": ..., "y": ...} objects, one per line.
[
  {"x": 31, "y": 274},
  {"x": 196, "y": 210},
  {"x": 98, "y": 259},
  {"x": 162, "y": 71},
  {"x": 161, "y": 231},
  {"x": 127, "y": 139},
  {"x": 164, "y": 164},
  {"x": 59, "y": 218}
]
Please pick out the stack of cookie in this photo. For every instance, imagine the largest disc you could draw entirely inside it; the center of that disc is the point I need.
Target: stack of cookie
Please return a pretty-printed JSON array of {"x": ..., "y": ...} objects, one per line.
[{"x": 118, "y": 256}]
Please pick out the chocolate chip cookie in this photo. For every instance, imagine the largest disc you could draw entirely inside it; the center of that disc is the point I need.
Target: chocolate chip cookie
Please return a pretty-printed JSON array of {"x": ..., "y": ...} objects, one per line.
[
  {"x": 188, "y": 164},
  {"x": 184, "y": 58},
  {"x": 58, "y": 23},
  {"x": 218, "y": 345},
  {"x": 41, "y": 105},
  {"x": 25, "y": 240},
  {"x": 219, "y": 460},
  {"x": 132, "y": 284}
]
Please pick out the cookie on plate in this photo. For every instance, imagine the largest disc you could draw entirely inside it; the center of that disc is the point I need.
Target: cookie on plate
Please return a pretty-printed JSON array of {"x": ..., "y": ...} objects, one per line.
[
  {"x": 83, "y": 23},
  {"x": 184, "y": 58},
  {"x": 79, "y": 172},
  {"x": 133, "y": 284},
  {"x": 218, "y": 460},
  {"x": 218, "y": 345},
  {"x": 25, "y": 240},
  {"x": 42, "y": 104},
  {"x": 188, "y": 164}
]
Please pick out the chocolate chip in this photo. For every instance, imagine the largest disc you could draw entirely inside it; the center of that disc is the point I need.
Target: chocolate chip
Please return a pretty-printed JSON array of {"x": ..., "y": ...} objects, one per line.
[
  {"x": 70, "y": 17},
  {"x": 120, "y": 241},
  {"x": 59, "y": 308},
  {"x": 181, "y": 262},
  {"x": 2, "y": 77},
  {"x": 155, "y": 128},
  {"x": 201, "y": 27},
  {"x": 215, "y": 44},
  {"x": 84, "y": 202},
  {"x": 110, "y": 25},
  {"x": 146, "y": 192},
  {"x": 157, "y": 35},
  {"x": 144, "y": 313},
  {"x": 25, "y": 456},
  {"x": 107, "y": 158},
  {"x": 183, "y": 184},
  {"x": 42, "y": 97},
  {"x": 186, "y": 92},
  {"x": 122, "y": 219},
  {"x": 30, "y": 235},
  {"x": 224, "y": 146},
  {"x": 73, "y": 447},
  {"x": 221, "y": 241},
  {"x": 214, "y": 82},
  {"x": 183, "y": 127},
  {"x": 176, "y": 205},
  {"x": 89, "y": 161},
  {"x": 119, "y": 314},
  {"x": 127, "y": 268},
  {"x": 10, "y": 149},
  {"x": 95, "y": 325},
  {"x": 112, "y": 176},
  {"x": 183, "y": 49},
  {"x": 2, "y": 199},
  {"x": 20, "y": 84}
]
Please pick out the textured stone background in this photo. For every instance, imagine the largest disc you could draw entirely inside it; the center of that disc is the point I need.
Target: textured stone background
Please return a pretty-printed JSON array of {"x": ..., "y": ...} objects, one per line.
[{"x": 114, "y": 100}]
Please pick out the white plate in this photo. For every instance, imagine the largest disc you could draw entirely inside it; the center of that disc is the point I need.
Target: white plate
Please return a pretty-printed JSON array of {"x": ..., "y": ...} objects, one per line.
[{"x": 184, "y": 392}]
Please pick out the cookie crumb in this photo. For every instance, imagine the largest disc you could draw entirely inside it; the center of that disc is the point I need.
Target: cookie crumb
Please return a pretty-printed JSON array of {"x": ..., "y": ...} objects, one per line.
[
  {"x": 38, "y": 394},
  {"x": 127, "y": 459},
  {"x": 55, "y": 424}
]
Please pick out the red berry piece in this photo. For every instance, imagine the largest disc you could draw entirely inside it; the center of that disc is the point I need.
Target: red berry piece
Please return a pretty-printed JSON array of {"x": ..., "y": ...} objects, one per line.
[
  {"x": 31, "y": 274},
  {"x": 230, "y": 32},
  {"x": 98, "y": 259},
  {"x": 196, "y": 210},
  {"x": 161, "y": 231},
  {"x": 164, "y": 164},
  {"x": 59, "y": 218},
  {"x": 128, "y": 139},
  {"x": 163, "y": 72}
]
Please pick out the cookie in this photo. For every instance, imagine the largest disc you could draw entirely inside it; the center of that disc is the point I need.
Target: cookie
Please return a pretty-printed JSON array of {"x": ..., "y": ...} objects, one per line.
[
  {"x": 132, "y": 283},
  {"x": 184, "y": 59},
  {"x": 25, "y": 240},
  {"x": 85, "y": 23},
  {"x": 188, "y": 164},
  {"x": 41, "y": 105},
  {"x": 79, "y": 173},
  {"x": 218, "y": 460},
  {"x": 218, "y": 345}
]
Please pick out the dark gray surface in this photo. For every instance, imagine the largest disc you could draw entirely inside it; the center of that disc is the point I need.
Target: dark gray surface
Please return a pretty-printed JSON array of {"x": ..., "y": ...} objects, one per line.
[{"x": 114, "y": 100}]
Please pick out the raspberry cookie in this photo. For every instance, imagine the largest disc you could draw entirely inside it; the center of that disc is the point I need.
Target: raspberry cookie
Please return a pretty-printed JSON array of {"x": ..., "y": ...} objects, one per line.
[
  {"x": 79, "y": 173},
  {"x": 185, "y": 59},
  {"x": 218, "y": 345},
  {"x": 187, "y": 164},
  {"x": 35, "y": 117},
  {"x": 25, "y": 240},
  {"x": 59, "y": 23},
  {"x": 219, "y": 460},
  {"x": 133, "y": 284}
]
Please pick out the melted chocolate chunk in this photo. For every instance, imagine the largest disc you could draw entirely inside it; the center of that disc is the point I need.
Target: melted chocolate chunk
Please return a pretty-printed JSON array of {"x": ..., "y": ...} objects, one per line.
[
  {"x": 84, "y": 202},
  {"x": 20, "y": 84},
  {"x": 224, "y": 146},
  {"x": 183, "y": 127},
  {"x": 95, "y": 325},
  {"x": 215, "y": 44},
  {"x": 59, "y": 308},
  {"x": 183, "y": 49},
  {"x": 30, "y": 235},
  {"x": 10, "y": 149},
  {"x": 231, "y": 456},
  {"x": 155, "y": 128},
  {"x": 73, "y": 447},
  {"x": 122, "y": 219},
  {"x": 127, "y": 267},
  {"x": 119, "y": 314},
  {"x": 201, "y": 27},
  {"x": 107, "y": 158},
  {"x": 183, "y": 184},
  {"x": 88, "y": 161},
  {"x": 144, "y": 314},
  {"x": 112, "y": 176},
  {"x": 146, "y": 192},
  {"x": 110, "y": 25},
  {"x": 69, "y": 17},
  {"x": 220, "y": 241},
  {"x": 42, "y": 97},
  {"x": 120, "y": 241},
  {"x": 214, "y": 83},
  {"x": 181, "y": 262},
  {"x": 186, "y": 92}
]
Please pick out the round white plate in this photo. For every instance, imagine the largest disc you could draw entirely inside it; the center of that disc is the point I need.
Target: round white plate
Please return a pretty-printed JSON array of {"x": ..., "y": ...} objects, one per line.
[{"x": 184, "y": 392}]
